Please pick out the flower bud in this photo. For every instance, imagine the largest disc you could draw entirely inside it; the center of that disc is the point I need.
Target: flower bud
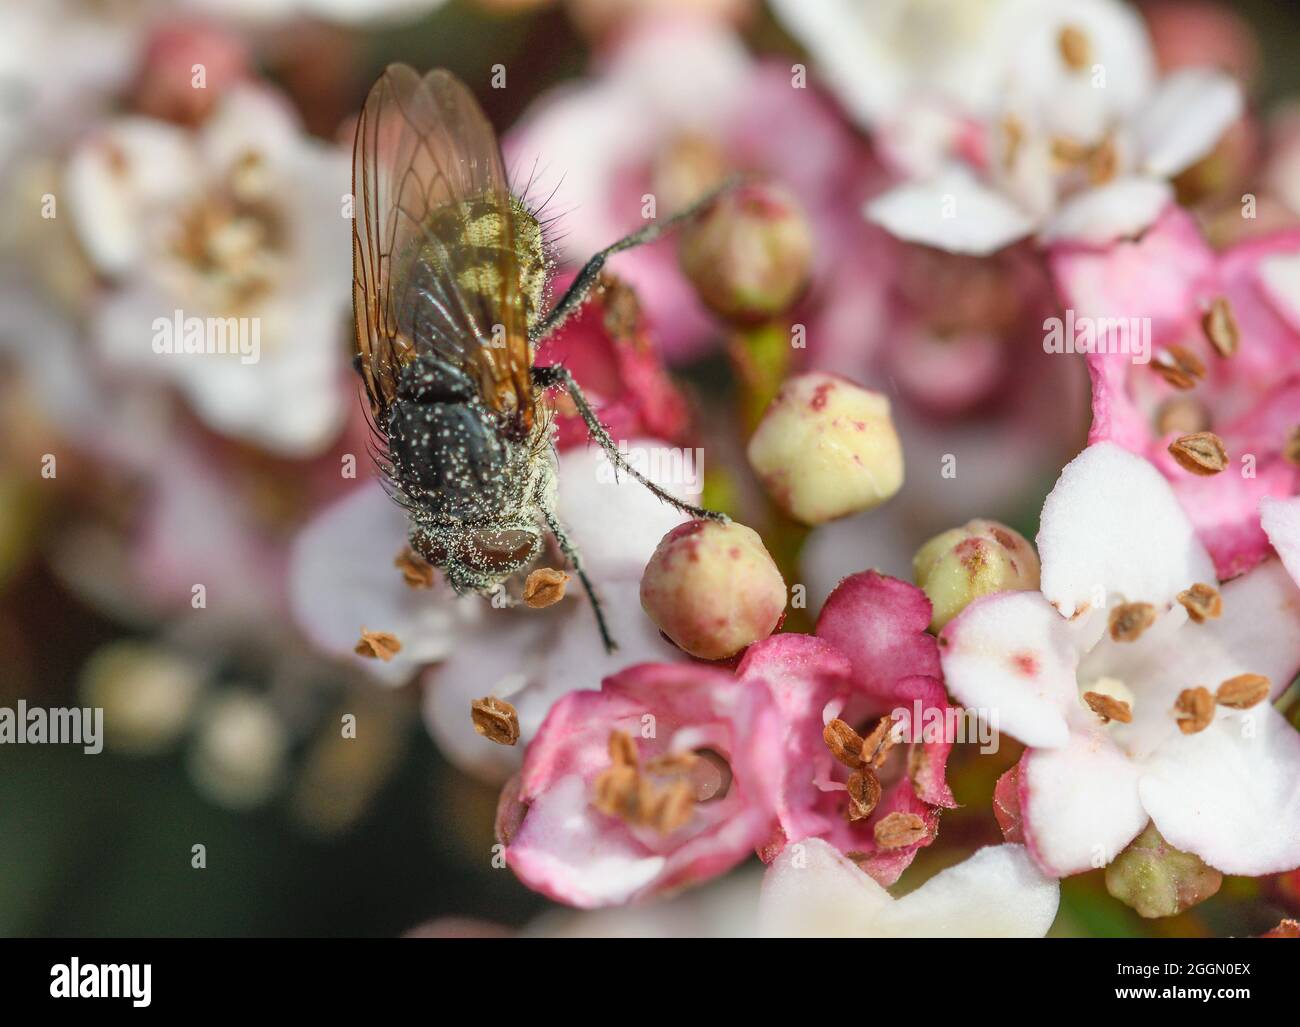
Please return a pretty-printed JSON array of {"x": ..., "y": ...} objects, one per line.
[
  {"x": 827, "y": 448},
  {"x": 959, "y": 566},
  {"x": 713, "y": 589},
  {"x": 749, "y": 254},
  {"x": 1157, "y": 880}
]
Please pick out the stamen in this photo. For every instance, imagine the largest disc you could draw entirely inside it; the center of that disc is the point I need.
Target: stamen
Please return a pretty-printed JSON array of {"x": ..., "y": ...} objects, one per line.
[
  {"x": 630, "y": 792},
  {"x": 1202, "y": 603},
  {"x": 844, "y": 743},
  {"x": 1243, "y": 691},
  {"x": 495, "y": 719},
  {"x": 1103, "y": 162},
  {"x": 1075, "y": 48},
  {"x": 1194, "y": 709},
  {"x": 898, "y": 830},
  {"x": 1220, "y": 327},
  {"x": 381, "y": 645},
  {"x": 876, "y": 746},
  {"x": 1201, "y": 453},
  {"x": 416, "y": 571},
  {"x": 544, "y": 587},
  {"x": 1014, "y": 134},
  {"x": 1108, "y": 708},
  {"x": 1129, "y": 621},
  {"x": 1291, "y": 447},
  {"x": 864, "y": 794},
  {"x": 1180, "y": 367}
]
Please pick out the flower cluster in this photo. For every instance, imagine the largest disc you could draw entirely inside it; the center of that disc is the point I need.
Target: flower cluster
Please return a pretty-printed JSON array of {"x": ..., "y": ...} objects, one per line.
[{"x": 932, "y": 256}]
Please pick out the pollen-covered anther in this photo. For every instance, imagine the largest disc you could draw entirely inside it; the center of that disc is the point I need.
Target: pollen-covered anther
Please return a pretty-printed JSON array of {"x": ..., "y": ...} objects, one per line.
[
  {"x": 899, "y": 830},
  {"x": 876, "y": 746},
  {"x": 1243, "y": 691},
  {"x": 416, "y": 571},
  {"x": 378, "y": 645},
  {"x": 1202, "y": 602},
  {"x": 1194, "y": 709},
  {"x": 864, "y": 794},
  {"x": 1201, "y": 453},
  {"x": 845, "y": 744},
  {"x": 495, "y": 719},
  {"x": 1220, "y": 327},
  {"x": 1075, "y": 47},
  {"x": 1180, "y": 367},
  {"x": 1129, "y": 621},
  {"x": 1108, "y": 708},
  {"x": 544, "y": 587}
]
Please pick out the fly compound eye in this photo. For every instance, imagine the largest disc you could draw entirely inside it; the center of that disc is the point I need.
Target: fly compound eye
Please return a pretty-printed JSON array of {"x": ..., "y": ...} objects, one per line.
[
  {"x": 429, "y": 548},
  {"x": 500, "y": 552}
]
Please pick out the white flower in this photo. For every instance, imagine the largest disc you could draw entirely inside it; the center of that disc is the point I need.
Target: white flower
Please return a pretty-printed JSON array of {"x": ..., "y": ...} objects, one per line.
[
  {"x": 1015, "y": 117},
  {"x": 342, "y": 577},
  {"x": 813, "y": 890},
  {"x": 1114, "y": 739},
  {"x": 242, "y": 219},
  {"x": 58, "y": 58}
]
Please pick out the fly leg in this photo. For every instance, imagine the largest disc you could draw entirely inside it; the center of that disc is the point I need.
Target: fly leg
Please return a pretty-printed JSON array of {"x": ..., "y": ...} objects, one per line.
[
  {"x": 557, "y": 374},
  {"x": 582, "y": 285},
  {"x": 571, "y": 552}
]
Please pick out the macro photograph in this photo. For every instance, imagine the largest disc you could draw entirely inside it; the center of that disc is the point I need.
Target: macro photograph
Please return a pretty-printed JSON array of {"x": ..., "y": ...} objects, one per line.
[{"x": 491, "y": 470}]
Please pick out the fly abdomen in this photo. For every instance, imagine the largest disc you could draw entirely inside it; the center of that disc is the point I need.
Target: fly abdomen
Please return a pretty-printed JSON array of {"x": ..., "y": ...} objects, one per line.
[{"x": 449, "y": 458}]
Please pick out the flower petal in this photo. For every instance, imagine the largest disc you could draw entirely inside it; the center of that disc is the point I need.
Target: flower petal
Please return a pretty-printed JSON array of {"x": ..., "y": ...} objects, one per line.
[
  {"x": 953, "y": 212},
  {"x": 1013, "y": 658},
  {"x": 1230, "y": 793},
  {"x": 997, "y": 892},
  {"x": 813, "y": 891},
  {"x": 1079, "y": 803},
  {"x": 1281, "y": 521},
  {"x": 1117, "y": 210},
  {"x": 1185, "y": 118},
  {"x": 1112, "y": 526},
  {"x": 341, "y": 578},
  {"x": 880, "y": 624}
]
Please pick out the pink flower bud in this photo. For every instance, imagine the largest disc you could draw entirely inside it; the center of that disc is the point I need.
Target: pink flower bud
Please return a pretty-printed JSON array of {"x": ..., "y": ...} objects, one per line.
[
  {"x": 979, "y": 558},
  {"x": 749, "y": 254},
  {"x": 713, "y": 589}
]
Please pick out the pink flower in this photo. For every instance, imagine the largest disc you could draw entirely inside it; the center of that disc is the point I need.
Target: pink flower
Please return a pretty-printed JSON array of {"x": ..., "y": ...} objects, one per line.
[
  {"x": 1250, "y": 399},
  {"x": 659, "y": 780},
  {"x": 871, "y": 657},
  {"x": 674, "y": 108},
  {"x": 1141, "y": 687},
  {"x": 167, "y": 84},
  {"x": 607, "y": 347}
]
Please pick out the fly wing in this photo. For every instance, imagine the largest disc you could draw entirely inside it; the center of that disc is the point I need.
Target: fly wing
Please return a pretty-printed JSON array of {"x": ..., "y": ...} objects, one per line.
[{"x": 435, "y": 268}]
